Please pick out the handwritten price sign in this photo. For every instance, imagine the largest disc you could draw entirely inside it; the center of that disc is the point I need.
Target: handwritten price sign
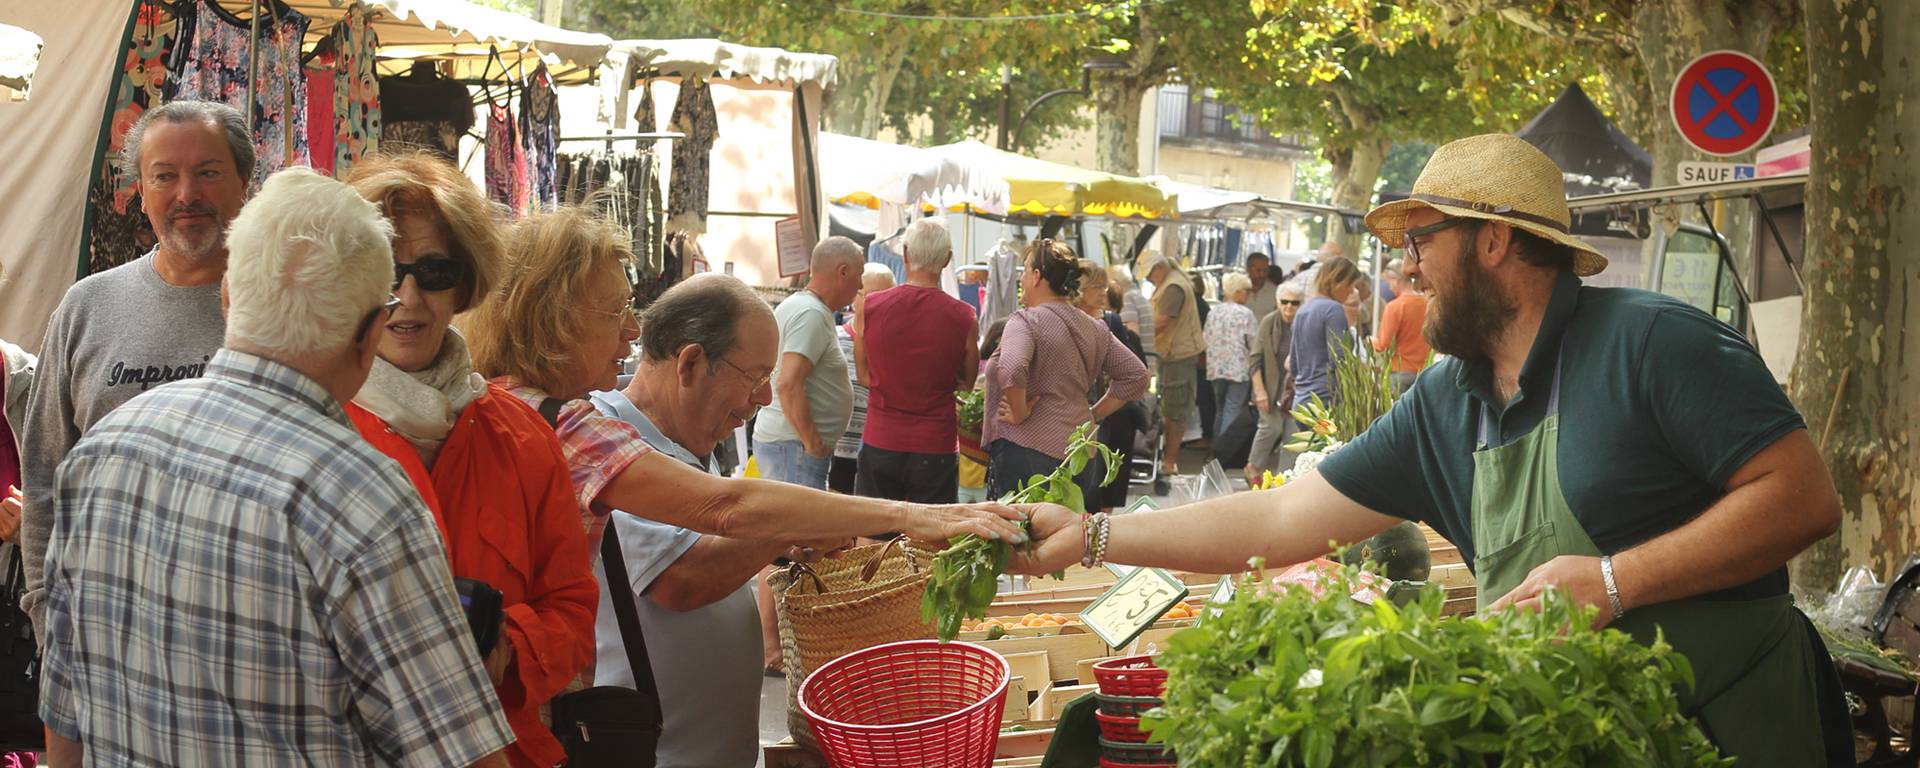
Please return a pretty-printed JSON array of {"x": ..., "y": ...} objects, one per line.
[{"x": 1132, "y": 605}]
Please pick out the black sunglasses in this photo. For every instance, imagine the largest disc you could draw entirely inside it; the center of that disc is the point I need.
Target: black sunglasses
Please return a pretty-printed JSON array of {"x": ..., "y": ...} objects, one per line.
[
  {"x": 436, "y": 274},
  {"x": 1289, "y": 302}
]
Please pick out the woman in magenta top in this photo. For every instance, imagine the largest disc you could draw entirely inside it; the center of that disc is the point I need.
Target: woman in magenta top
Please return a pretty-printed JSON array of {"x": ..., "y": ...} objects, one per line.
[
  {"x": 1048, "y": 360},
  {"x": 913, "y": 348}
]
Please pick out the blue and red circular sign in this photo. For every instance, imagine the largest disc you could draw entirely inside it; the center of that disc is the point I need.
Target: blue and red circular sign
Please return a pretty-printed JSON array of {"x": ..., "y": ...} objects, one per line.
[{"x": 1724, "y": 103}]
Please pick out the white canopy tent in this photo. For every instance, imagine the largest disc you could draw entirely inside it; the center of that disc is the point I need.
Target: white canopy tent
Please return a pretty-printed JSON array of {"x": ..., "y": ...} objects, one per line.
[
  {"x": 876, "y": 174},
  {"x": 19, "y": 56}
]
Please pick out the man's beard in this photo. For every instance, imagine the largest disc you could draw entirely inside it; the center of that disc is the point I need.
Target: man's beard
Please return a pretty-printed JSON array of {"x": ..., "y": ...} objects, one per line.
[
  {"x": 197, "y": 245},
  {"x": 1466, "y": 321}
]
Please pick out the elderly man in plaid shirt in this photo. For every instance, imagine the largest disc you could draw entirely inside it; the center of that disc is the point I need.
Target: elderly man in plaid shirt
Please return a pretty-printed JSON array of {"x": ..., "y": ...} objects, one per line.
[{"x": 235, "y": 577}]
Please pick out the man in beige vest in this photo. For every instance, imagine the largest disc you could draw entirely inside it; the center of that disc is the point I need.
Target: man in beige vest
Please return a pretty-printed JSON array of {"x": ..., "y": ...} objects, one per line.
[{"x": 1176, "y": 330}]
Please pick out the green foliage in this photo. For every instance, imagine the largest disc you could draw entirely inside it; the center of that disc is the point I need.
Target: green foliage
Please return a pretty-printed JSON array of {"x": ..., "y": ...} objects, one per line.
[
  {"x": 1363, "y": 378},
  {"x": 1403, "y": 165},
  {"x": 967, "y": 572},
  {"x": 1288, "y": 679},
  {"x": 970, "y": 408},
  {"x": 1313, "y": 181}
]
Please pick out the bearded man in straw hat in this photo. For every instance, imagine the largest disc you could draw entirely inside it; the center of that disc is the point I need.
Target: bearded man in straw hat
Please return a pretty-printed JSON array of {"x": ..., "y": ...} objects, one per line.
[{"x": 1616, "y": 445}]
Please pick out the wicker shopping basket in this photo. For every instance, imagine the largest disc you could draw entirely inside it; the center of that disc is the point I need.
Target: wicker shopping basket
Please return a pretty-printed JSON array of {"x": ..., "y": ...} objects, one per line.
[{"x": 868, "y": 596}]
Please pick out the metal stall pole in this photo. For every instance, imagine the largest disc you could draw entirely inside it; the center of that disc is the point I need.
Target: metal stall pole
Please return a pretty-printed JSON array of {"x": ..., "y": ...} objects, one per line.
[{"x": 253, "y": 62}]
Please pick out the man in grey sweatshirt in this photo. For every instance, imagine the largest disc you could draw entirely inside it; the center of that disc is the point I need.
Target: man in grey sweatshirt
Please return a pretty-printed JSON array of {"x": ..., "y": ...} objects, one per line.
[{"x": 145, "y": 323}]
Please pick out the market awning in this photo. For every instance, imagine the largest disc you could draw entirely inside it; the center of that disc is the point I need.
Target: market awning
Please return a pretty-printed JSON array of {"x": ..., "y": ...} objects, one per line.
[
  {"x": 1040, "y": 188},
  {"x": 708, "y": 57},
  {"x": 19, "y": 57},
  {"x": 867, "y": 173},
  {"x": 1196, "y": 200},
  {"x": 464, "y": 33}
]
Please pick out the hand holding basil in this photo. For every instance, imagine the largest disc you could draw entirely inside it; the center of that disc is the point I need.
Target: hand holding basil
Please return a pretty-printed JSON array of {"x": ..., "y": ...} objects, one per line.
[{"x": 966, "y": 573}]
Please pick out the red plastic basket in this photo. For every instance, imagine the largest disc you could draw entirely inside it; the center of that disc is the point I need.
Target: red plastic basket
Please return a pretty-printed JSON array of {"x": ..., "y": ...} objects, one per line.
[
  {"x": 1113, "y": 728},
  {"x": 912, "y": 704},
  {"x": 1131, "y": 676}
]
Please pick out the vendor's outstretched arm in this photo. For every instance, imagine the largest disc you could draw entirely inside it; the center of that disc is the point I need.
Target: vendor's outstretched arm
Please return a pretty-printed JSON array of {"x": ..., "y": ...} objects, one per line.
[
  {"x": 661, "y": 488},
  {"x": 1285, "y": 525},
  {"x": 1777, "y": 504}
]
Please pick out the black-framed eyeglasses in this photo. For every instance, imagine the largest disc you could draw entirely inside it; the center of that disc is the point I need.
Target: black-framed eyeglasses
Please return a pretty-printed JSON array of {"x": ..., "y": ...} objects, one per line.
[
  {"x": 1413, "y": 236},
  {"x": 435, "y": 274},
  {"x": 748, "y": 377},
  {"x": 385, "y": 310}
]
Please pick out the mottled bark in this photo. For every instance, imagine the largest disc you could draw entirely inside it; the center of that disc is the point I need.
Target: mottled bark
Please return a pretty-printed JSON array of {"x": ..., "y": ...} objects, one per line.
[
  {"x": 1116, "y": 123},
  {"x": 1862, "y": 278},
  {"x": 858, "y": 104}
]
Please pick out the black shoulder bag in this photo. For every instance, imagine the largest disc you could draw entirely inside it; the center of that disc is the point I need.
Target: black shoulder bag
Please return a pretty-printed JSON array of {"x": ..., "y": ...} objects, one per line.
[
  {"x": 19, "y": 664},
  {"x": 608, "y": 725}
]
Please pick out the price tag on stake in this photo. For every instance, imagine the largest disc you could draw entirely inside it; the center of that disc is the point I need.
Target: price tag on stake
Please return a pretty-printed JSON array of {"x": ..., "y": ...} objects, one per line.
[
  {"x": 1132, "y": 605},
  {"x": 1223, "y": 593}
]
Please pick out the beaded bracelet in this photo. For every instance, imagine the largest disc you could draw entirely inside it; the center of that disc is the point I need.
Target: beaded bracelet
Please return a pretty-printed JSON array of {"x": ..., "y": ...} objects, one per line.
[{"x": 1096, "y": 545}]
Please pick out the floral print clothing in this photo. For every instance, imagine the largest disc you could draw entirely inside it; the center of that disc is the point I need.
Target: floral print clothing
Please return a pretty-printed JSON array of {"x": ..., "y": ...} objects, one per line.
[
  {"x": 118, "y": 231},
  {"x": 356, "y": 90},
  {"x": 687, "y": 191},
  {"x": 539, "y": 135},
  {"x": 211, "y": 65},
  {"x": 1229, "y": 335},
  {"x": 506, "y": 163}
]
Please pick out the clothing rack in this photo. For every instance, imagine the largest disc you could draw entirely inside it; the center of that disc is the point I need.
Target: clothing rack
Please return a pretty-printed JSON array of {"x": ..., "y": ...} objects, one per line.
[{"x": 611, "y": 137}]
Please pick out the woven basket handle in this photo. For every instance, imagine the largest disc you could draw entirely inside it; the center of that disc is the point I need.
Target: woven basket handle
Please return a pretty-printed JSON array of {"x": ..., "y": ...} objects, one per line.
[
  {"x": 796, "y": 569},
  {"x": 873, "y": 565}
]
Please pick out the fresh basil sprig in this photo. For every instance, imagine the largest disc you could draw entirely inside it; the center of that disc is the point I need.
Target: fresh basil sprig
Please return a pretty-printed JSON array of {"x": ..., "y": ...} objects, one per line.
[{"x": 966, "y": 573}]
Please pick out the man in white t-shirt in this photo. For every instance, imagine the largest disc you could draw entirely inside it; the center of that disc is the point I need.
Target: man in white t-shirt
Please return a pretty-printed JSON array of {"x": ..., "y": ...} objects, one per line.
[
  {"x": 707, "y": 355},
  {"x": 813, "y": 396}
]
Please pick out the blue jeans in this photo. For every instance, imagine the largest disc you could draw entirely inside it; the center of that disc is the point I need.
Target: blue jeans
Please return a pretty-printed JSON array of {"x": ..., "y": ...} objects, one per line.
[
  {"x": 1230, "y": 400},
  {"x": 787, "y": 461}
]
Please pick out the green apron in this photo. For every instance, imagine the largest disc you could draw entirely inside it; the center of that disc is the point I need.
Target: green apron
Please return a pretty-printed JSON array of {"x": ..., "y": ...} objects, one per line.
[{"x": 1753, "y": 660}]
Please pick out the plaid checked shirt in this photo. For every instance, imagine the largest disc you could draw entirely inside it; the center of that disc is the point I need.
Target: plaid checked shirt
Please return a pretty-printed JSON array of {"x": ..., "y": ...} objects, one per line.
[
  {"x": 236, "y": 578},
  {"x": 598, "y": 448}
]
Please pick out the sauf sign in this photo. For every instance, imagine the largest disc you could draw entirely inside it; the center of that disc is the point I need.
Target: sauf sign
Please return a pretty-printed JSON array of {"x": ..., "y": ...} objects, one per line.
[{"x": 1708, "y": 173}]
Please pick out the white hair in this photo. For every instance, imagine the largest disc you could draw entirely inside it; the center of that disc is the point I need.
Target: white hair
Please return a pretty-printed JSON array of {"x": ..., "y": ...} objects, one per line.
[
  {"x": 1291, "y": 288},
  {"x": 929, "y": 246},
  {"x": 835, "y": 251},
  {"x": 876, "y": 272},
  {"x": 308, "y": 260},
  {"x": 1235, "y": 282}
]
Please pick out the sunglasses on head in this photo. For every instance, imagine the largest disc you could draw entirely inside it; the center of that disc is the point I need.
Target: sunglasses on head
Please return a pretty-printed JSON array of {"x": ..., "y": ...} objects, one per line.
[{"x": 435, "y": 274}]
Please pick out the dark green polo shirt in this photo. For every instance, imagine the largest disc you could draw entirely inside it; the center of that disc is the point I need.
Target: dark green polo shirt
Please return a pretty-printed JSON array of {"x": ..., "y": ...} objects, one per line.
[{"x": 1660, "y": 404}]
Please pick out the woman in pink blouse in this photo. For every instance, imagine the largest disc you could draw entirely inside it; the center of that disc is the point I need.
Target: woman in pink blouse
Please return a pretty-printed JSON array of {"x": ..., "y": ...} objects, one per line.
[{"x": 1037, "y": 381}]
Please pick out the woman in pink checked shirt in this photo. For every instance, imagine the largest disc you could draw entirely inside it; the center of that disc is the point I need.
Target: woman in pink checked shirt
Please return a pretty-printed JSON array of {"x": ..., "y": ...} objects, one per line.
[{"x": 1037, "y": 381}]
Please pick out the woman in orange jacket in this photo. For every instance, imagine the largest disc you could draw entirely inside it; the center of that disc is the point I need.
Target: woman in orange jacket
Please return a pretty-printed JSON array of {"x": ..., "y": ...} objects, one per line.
[{"x": 487, "y": 465}]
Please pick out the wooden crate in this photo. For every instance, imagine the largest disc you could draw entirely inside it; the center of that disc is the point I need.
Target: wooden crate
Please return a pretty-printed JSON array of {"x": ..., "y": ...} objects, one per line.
[
  {"x": 1021, "y": 744},
  {"x": 1064, "y": 652}
]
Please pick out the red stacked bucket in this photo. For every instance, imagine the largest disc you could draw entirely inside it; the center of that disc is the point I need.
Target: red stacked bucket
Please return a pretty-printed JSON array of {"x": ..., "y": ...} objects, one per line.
[
  {"x": 912, "y": 704},
  {"x": 1128, "y": 688}
]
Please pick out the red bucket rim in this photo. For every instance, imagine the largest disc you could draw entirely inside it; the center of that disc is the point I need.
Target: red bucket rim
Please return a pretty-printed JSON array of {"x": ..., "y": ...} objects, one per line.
[
  {"x": 1126, "y": 664},
  {"x": 999, "y": 690}
]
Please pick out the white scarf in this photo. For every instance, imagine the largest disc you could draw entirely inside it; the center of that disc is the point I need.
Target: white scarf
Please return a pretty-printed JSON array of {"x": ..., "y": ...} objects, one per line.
[{"x": 421, "y": 406}]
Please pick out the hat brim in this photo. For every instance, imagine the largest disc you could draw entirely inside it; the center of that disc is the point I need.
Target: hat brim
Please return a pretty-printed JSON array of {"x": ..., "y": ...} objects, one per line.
[{"x": 1389, "y": 223}]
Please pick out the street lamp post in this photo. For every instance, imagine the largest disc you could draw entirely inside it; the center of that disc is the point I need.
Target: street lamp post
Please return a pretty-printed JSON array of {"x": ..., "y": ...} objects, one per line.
[{"x": 1010, "y": 139}]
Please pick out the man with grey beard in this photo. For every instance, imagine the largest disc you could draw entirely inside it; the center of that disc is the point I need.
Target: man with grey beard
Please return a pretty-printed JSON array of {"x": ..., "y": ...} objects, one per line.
[{"x": 145, "y": 323}]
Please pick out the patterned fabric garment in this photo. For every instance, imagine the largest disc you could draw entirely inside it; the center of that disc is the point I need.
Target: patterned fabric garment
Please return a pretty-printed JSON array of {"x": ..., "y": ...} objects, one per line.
[
  {"x": 1055, "y": 352},
  {"x": 1229, "y": 334},
  {"x": 598, "y": 448},
  {"x": 320, "y": 120},
  {"x": 356, "y": 90},
  {"x": 240, "y": 579},
  {"x": 506, "y": 166},
  {"x": 211, "y": 65},
  {"x": 540, "y": 133},
  {"x": 693, "y": 116},
  {"x": 119, "y": 231}
]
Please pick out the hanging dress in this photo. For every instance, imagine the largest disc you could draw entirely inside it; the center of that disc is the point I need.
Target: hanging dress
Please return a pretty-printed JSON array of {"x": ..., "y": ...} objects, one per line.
[
  {"x": 540, "y": 134},
  {"x": 356, "y": 90},
  {"x": 693, "y": 116},
  {"x": 211, "y": 65}
]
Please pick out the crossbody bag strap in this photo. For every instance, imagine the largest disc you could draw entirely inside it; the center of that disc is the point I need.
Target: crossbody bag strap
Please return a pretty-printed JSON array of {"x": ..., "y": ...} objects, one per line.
[{"x": 624, "y": 611}]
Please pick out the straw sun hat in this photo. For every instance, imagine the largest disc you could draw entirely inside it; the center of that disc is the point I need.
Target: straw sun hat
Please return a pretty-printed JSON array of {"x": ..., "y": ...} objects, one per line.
[{"x": 1497, "y": 177}]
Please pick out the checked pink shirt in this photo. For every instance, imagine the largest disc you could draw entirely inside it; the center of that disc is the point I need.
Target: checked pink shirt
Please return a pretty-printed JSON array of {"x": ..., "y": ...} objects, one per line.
[
  {"x": 1056, "y": 352},
  {"x": 598, "y": 448}
]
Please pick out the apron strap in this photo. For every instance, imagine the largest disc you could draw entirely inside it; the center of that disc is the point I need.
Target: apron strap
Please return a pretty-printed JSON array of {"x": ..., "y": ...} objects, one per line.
[{"x": 1484, "y": 437}]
